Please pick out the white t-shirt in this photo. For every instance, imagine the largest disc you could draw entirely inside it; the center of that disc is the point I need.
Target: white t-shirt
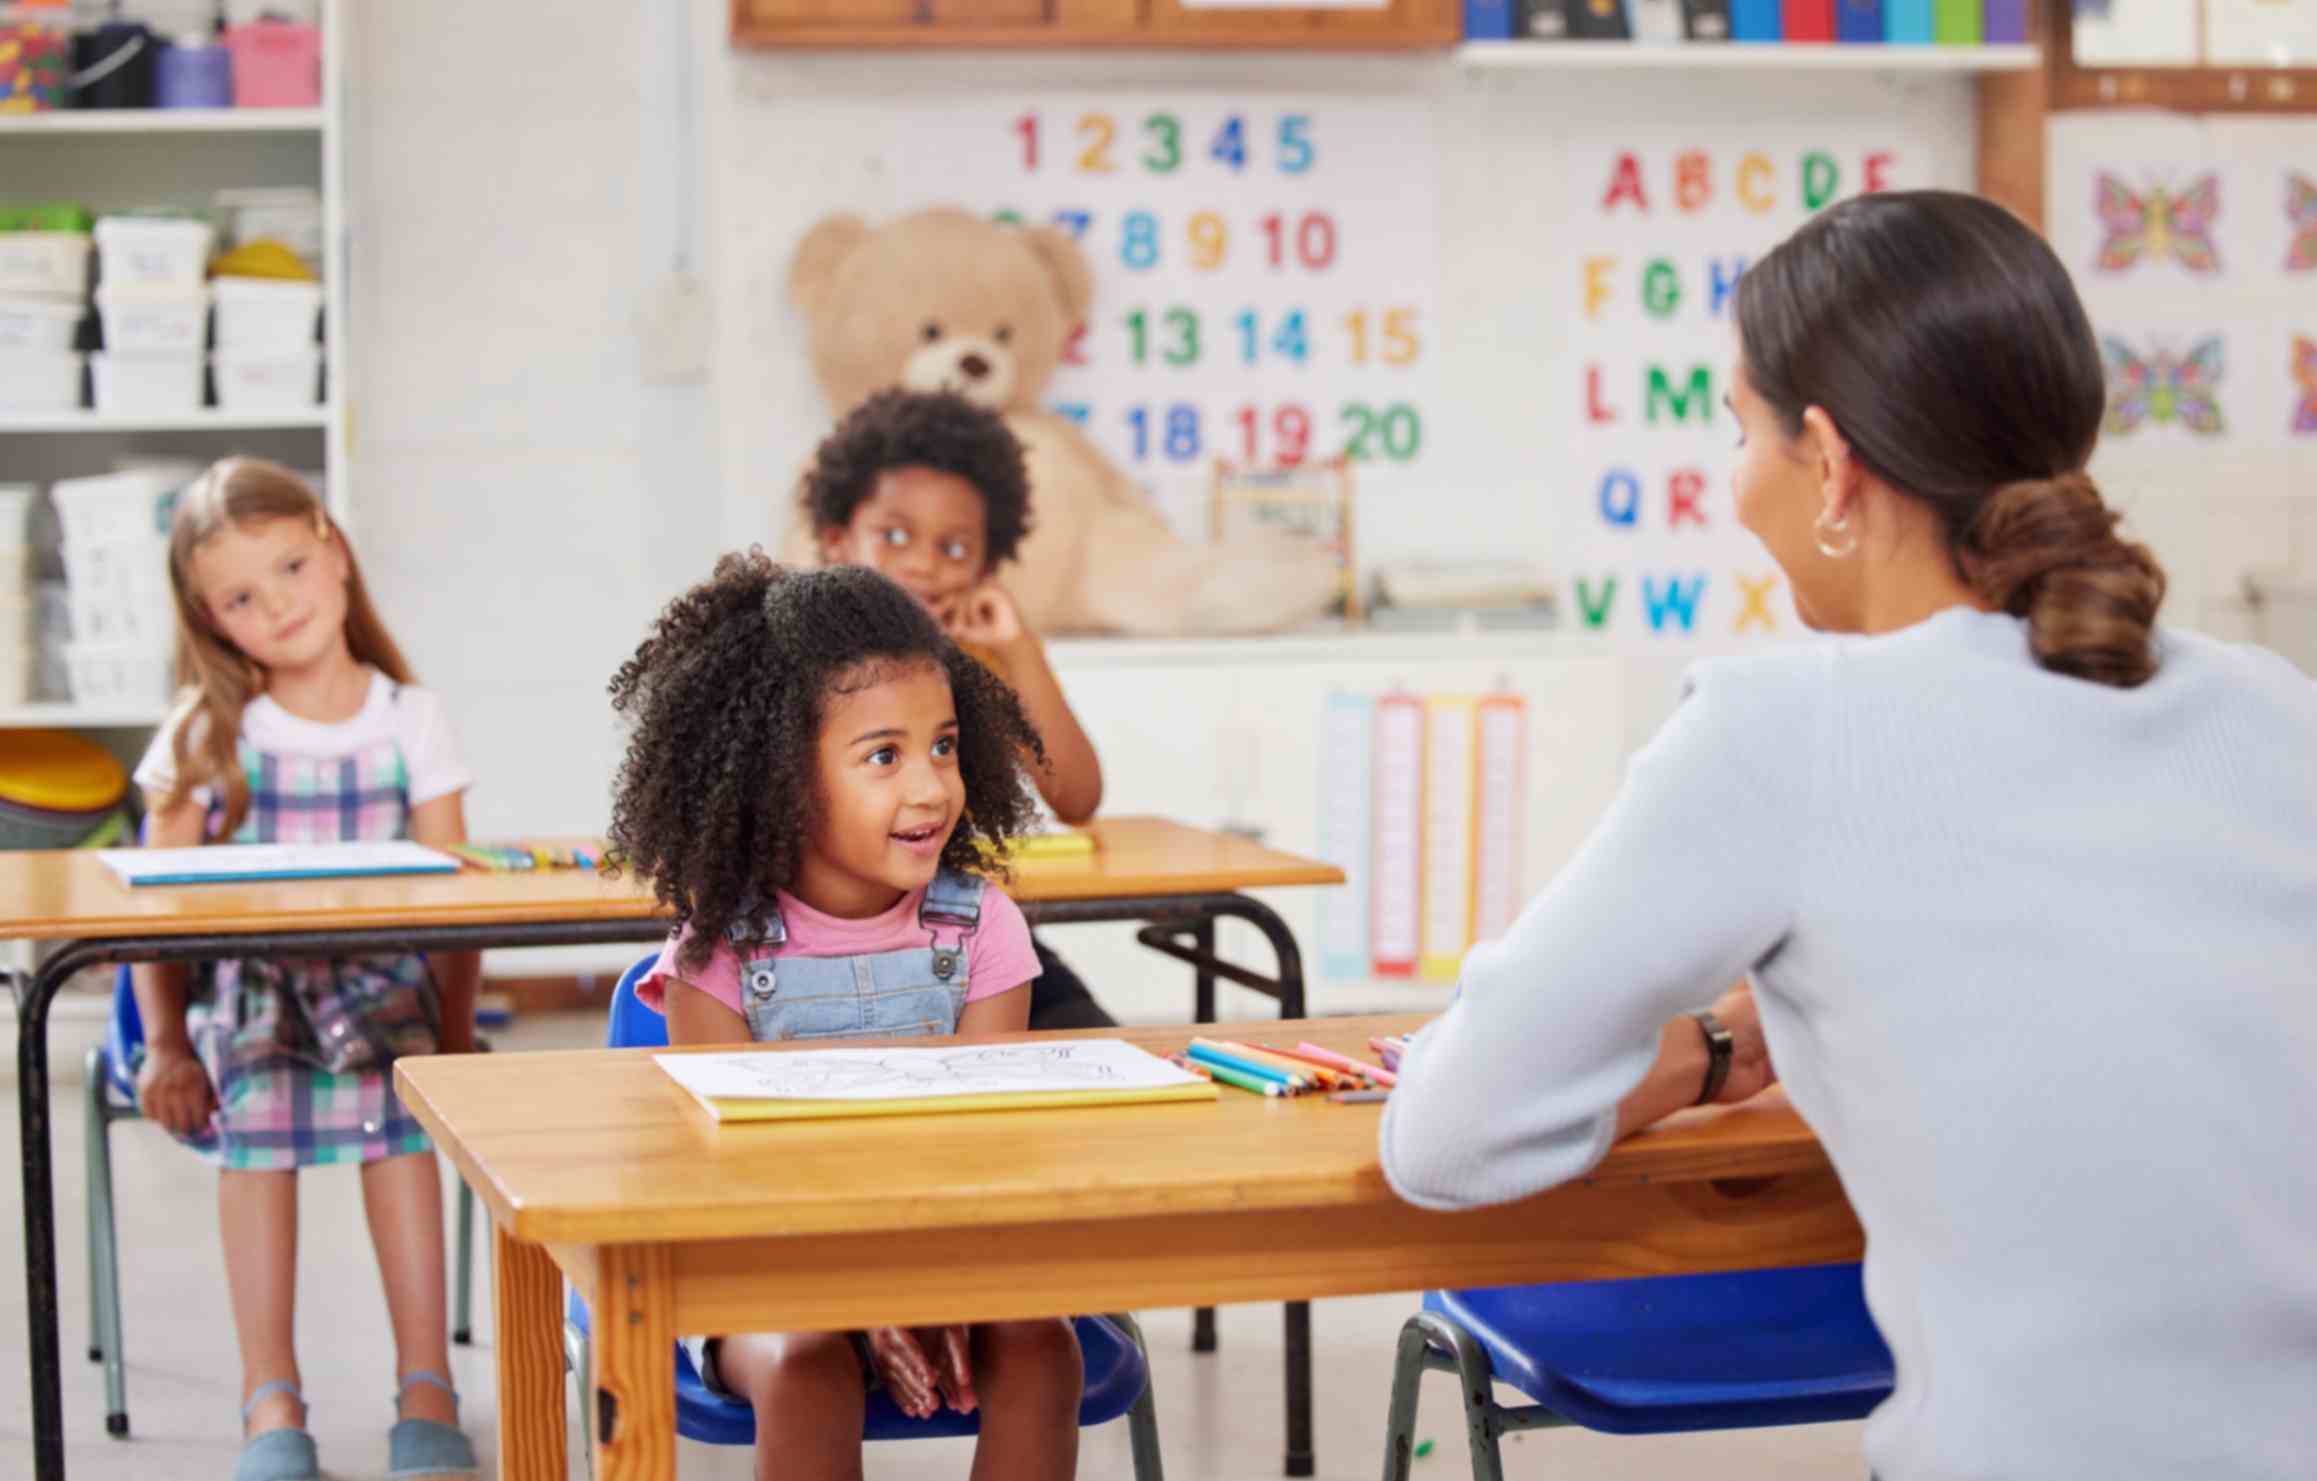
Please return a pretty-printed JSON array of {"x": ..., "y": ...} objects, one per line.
[{"x": 411, "y": 717}]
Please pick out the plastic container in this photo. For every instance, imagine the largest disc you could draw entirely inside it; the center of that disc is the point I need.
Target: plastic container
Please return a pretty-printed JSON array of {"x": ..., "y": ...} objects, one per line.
[
  {"x": 118, "y": 673},
  {"x": 274, "y": 380},
  {"x": 146, "y": 385},
  {"x": 138, "y": 321},
  {"x": 44, "y": 264},
  {"x": 16, "y": 511},
  {"x": 55, "y": 789},
  {"x": 266, "y": 315},
  {"x": 44, "y": 216},
  {"x": 188, "y": 74},
  {"x": 109, "y": 508},
  {"x": 291, "y": 215},
  {"x": 112, "y": 66},
  {"x": 28, "y": 323},
  {"x": 35, "y": 67},
  {"x": 39, "y": 382},
  {"x": 157, "y": 253},
  {"x": 276, "y": 64}
]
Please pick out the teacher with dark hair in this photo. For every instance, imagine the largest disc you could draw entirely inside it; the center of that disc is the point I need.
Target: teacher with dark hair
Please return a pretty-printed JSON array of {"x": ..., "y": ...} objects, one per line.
[{"x": 2019, "y": 886}]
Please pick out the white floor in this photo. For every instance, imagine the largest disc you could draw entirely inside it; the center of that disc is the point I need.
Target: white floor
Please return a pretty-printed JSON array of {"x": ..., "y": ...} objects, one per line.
[{"x": 1219, "y": 1414}]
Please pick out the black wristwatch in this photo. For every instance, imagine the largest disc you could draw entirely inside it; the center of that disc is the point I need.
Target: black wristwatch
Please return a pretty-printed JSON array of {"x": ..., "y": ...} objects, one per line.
[{"x": 1719, "y": 1044}]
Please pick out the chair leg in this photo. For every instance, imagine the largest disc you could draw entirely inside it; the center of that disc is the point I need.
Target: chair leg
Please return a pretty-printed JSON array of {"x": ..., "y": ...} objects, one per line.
[
  {"x": 92, "y": 1127},
  {"x": 1477, "y": 1378},
  {"x": 463, "y": 1299},
  {"x": 1142, "y": 1420},
  {"x": 1407, "y": 1385},
  {"x": 104, "y": 1248},
  {"x": 575, "y": 1358}
]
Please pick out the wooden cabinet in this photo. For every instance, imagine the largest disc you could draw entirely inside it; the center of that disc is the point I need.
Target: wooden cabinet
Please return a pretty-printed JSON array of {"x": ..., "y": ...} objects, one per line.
[{"x": 1173, "y": 23}]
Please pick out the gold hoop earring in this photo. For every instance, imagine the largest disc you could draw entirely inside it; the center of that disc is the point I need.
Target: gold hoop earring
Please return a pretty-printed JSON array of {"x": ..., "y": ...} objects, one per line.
[{"x": 1836, "y": 538}]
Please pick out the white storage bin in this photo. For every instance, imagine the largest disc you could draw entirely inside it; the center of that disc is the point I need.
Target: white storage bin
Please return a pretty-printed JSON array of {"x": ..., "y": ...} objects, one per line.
[
  {"x": 108, "y": 508},
  {"x": 100, "y": 618},
  {"x": 48, "y": 264},
  {"x": 39, "y": 381},
  {"x": 118, "y": 673},
  {"x": 138, "y": 321},
  {"x": 146, "y": 385},
  {"x": 291, "y": 216},
  {"x": 266, "y": 314},
  {"x": 29, "y": 323},
  {"x": 152, "y": 252},
  {"x": 247, "y": 381}
]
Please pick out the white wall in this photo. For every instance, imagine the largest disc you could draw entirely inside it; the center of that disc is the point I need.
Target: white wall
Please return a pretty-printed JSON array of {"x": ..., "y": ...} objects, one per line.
[{"x": 526, "y": 501}]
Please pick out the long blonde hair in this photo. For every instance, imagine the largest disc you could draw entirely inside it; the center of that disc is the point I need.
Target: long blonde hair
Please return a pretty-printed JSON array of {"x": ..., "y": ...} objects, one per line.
[{"x": 217, "y": 680}]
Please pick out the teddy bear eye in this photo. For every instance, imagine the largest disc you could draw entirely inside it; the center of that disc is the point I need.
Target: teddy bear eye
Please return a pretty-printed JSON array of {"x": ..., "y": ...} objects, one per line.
[
  {"x": 931, "y": 331},
  {"x": 1005, "y": 334}
]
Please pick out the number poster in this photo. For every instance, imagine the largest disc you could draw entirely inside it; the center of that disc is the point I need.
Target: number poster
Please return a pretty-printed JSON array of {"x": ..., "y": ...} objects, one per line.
[{"x": 1264, "y": 273}]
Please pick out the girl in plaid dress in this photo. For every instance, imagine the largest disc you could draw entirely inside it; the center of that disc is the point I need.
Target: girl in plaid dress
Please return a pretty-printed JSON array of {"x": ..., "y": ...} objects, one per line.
[{"x": 299, "y": 724}]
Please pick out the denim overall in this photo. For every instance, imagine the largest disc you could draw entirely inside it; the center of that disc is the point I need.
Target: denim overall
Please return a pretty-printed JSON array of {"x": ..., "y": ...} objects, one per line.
[{"x": 916, "y": 991}]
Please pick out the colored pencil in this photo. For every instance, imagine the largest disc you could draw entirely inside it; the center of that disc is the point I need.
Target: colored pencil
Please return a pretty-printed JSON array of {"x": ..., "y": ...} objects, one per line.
[
  {"x": 1214, "y": 1057},
  {"x": 1376, "y": 1073},
  {"x": 1243, "y": 1080},
  {"x": 1390, "y": 1049},
  {"x": 1180, "y": 1063},
  {"x": 1327, "y": 1076},
  {"x": 1359, "y": 1097},
  {"x": 1332, "y": 1069}
]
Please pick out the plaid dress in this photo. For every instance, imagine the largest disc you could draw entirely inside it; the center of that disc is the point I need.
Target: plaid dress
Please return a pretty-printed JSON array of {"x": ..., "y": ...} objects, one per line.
[{"x": 276, "y": 1108}]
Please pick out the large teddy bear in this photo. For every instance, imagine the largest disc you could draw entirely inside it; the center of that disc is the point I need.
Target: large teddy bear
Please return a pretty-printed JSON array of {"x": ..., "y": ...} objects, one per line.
[{"x": 945, "y": 300}]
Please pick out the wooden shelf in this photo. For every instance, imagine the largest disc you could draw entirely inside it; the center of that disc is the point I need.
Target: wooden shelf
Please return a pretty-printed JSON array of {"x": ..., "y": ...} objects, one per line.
[
  {"x": 1746, "y": 57},
  {"x": 209, "y": 419},
  {"x": 73, "y": 715},
  {"x": 165, "y": 121}
]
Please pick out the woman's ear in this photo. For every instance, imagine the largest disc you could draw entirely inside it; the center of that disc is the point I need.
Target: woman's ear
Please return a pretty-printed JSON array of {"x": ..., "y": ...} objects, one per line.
[{"x": 1831, "y": 459}]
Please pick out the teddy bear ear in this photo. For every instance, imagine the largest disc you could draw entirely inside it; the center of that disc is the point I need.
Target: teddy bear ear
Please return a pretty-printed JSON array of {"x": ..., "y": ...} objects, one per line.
[
  {"x": 1073, "y": 279},
  {"x": 817, "y": 256}
]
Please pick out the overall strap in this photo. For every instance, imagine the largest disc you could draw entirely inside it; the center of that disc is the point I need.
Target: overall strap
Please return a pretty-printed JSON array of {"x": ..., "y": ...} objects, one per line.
[
  {"x": 757, "y": 925},
  {"x": 952, "y": 899}
]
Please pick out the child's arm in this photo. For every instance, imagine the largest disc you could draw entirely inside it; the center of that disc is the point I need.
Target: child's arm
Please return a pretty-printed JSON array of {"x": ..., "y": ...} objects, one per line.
[
  {"x": 438, "y": 823},
  {"x": 1071, "y": 782},
  {"x": 695, "y": 1017},
  {"x": 999, "y": 1013},
  {"x": 172, "y": 1087}
]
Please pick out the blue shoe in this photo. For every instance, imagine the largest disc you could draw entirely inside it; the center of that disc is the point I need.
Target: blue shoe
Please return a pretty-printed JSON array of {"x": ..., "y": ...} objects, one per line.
[
  {"x": 277, "y": 1455},
  {"x": 428, "y": 1449}
]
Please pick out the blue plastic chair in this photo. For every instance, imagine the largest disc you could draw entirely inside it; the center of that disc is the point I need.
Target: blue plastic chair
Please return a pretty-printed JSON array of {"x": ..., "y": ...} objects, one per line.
[
  {"x": 1117, "y": 1368},
  {"x": 109, "y": 1084},
  {"x": 1651, "y": 1356}
]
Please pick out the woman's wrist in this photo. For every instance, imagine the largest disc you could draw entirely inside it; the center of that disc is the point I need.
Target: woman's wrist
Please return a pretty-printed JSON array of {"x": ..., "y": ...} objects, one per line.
[{"x": 1673, "y": 1080}]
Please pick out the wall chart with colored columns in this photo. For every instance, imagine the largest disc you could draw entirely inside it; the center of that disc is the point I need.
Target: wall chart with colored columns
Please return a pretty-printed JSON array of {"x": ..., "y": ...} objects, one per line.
[
  {"x": 1265, "y": 272},
  {"x": 1664, "y": 224}
]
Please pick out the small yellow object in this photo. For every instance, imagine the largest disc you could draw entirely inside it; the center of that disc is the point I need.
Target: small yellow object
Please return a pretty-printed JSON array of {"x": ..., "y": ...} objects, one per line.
[
  {"x": 263, "y": 258},
  {"x": 58, "y": 772}
]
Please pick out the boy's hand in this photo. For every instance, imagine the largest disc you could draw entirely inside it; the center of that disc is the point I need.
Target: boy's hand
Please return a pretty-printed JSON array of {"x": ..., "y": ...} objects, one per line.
[
  {"x": 985, "y": 617},
  {"x": 174, "y": 1091}
]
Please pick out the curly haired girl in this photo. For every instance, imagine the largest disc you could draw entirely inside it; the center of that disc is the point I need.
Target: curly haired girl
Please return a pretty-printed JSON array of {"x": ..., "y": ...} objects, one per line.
[{"x": 812, "y": 780}]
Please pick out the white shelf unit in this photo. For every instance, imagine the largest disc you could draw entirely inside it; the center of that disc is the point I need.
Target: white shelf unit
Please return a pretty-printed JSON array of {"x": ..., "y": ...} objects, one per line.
[
  {"x": 168, "y": 121},
  {"x": 1740, "y": 56},
  {"x": 131, "y": 158}
]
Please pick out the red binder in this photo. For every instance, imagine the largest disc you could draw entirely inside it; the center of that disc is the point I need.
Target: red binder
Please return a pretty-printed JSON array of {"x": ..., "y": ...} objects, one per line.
[{"x": 1809, "y": 20}]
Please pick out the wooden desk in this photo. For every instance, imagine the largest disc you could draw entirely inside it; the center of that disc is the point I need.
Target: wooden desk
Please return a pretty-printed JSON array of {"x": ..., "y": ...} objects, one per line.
[
  {"x": 1178, "y": 878},
  {"x": 593, "y": 1170}
]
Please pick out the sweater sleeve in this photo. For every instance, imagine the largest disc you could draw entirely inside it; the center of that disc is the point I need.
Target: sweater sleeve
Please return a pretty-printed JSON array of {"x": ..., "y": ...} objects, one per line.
[{"x": 1688, "y": 881}]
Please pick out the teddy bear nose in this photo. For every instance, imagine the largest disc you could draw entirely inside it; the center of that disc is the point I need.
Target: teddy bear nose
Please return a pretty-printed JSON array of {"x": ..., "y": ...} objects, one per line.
[{"x": 974, "y": 365}]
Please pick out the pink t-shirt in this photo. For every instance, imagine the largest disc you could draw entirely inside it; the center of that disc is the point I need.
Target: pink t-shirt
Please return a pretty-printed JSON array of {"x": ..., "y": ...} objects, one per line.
[{"x": 999, "y": 958}]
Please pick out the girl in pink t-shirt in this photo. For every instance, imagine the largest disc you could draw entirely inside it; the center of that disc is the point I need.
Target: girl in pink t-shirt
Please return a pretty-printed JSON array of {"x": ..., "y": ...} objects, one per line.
[{"x": 812, "y": 780}]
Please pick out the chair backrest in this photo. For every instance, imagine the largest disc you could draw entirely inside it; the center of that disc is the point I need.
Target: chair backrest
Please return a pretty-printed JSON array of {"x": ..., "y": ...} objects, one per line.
[
  {"x": 634, "y": 1026},
  {"x": 124, "y": 1033}
]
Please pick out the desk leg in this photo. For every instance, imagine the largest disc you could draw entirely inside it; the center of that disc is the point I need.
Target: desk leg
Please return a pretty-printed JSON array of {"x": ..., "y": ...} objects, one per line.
[
  {"x": 528, "y": 1299},
  {"x": 33, "y": 996},
  {"x": 1203, "y": 1011},
  {"x": 635, "y": 1366}
]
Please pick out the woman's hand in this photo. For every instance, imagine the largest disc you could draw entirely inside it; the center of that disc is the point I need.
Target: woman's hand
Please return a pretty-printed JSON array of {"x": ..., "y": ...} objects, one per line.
[
  {"x": 925, "y": 1368},
  {"x": 1751, "y": 1072},
  {"x": 173, "y": 1090}
]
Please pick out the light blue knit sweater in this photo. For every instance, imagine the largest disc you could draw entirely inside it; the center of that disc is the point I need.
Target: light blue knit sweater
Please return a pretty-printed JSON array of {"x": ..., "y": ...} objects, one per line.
[{"x": 2037, "y": 959}]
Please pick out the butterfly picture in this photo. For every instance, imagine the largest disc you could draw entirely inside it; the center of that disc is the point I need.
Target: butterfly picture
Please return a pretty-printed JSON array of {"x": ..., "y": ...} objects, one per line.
[
  {"x": 2301, "y": 211},
  {"x": 2305, "y": 376},
  {"x": 2158, "y": 224},
  {"x": 2164, "y": 387}
]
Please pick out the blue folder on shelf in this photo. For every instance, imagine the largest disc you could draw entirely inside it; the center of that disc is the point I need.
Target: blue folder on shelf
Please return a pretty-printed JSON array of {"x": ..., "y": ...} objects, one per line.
[
  {"x": 252, "y": 863},
  {"x": 1755, "y": 20},
  {"x": 1858, "y": 20},
  {"x": 1907, "y": 22}
]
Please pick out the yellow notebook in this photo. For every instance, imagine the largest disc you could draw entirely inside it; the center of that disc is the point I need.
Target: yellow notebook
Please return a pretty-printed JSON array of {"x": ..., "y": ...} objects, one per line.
[{"x": 951, "y": 1079}]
